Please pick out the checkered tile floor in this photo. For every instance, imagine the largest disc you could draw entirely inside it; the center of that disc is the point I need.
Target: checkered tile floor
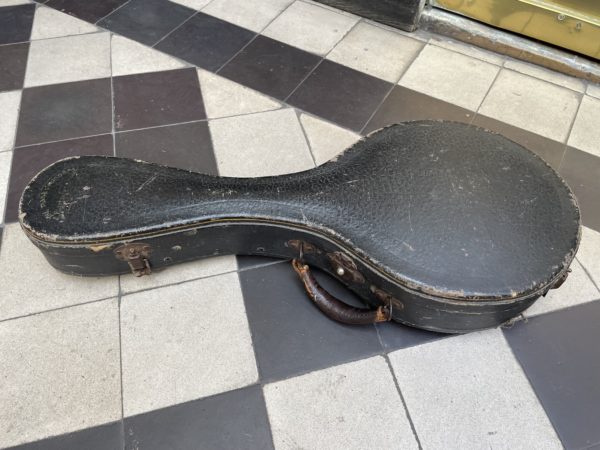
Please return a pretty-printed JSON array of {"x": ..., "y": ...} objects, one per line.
[{"x": 254, "y": 88}]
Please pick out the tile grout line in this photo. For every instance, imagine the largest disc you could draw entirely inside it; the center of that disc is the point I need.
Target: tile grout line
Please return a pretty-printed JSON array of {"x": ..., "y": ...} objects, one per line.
[
  {"x": 476, "y": 111},
  {"x": 408, "y": 416},
  {"x": 194, "y": 14},
  {"x": 570, "y": 131},
  {"x": 286, "y": 99},
  {"x": 306, "y": 139},
  {"x": 105, "y": 16},
  {"x": 589, "y": 275},
  {"x": 60, "y": 308}
]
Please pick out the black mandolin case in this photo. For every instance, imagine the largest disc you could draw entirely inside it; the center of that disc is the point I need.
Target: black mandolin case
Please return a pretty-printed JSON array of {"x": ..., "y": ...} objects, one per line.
[{"x": 436, "y": 225}]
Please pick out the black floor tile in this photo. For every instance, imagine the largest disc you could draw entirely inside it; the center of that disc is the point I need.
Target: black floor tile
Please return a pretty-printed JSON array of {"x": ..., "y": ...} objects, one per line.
[
  {"x": 146, "y": 21},
  {"x": 270, "y": 66},
  {"x": 582, "y": 172},
  {"x": 206, "y": 41},
  {"x": 64, "y": 111},
  {"x": 13, "y": 61},
  {"x": 15, "y": 23},
  {"x": 551, "y": 151},
  {"x": 88, "y": 10},
  {"x": 103, "y": 437},
  {"x": 560, "y": 354},
  {"x": 28, "y": 161},
  {"x": 404, "y": 104},
  {"x": 289, "y": 333},
  {"x": 158, "y": 98},
  {"x": 187, "y": 146},
  {"x": 340, "y": 94},
  {"x": 233, "y": 420}
]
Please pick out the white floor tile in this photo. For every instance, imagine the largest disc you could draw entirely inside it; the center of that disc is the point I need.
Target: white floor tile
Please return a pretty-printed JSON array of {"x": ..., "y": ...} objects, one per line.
[
  {"x": 575, "y": 84},
  {"x": 589, "y": 253},
  {"x": 269, "y": 143},
  {"x": 180, "y": 272},
  {"x": 578, "y": 289},
  {"x": 129, "y": 57},
  {"x": 71, "y": 58},
  {"x": 310, "y": 27},
  {"x": 9, "y": 115},
  {"x": 378, "y": 52},
  {"x": 30, "y": 284},
  {"x": 223, "y": 98},
  {"x": 352, "y": 406},
  {"x": 450, "y": 76},
  {"x": 50, "y": 23},
  {"x": 585, "y": 134},
  {"x": 531, "y": 104},
  {"x": 469, "y": 392},
  {"x": 251, "y": 14},
  {"x": 326, "y": 140},
  {"x": 59, "y": 372},
  {"x": 593, "y": 89},
  {"x": 5, "y": 162},
  {"x": 184, "y": 342}
]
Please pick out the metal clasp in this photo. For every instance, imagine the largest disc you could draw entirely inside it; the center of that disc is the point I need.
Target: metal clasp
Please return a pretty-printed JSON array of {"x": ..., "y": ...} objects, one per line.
[{"x": 136, "y": 255}]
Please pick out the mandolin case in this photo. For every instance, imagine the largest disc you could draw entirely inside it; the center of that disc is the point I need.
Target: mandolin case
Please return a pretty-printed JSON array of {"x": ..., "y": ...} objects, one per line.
[{"x": 436, "y": 225}]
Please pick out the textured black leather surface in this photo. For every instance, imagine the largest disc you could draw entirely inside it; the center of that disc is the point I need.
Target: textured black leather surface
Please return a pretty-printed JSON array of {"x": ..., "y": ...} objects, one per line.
[{"x": 440, "y": 207}]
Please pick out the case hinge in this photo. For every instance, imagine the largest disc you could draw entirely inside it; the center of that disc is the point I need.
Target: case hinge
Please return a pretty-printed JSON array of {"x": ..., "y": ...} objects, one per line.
[{"x": 136, "y": 255}]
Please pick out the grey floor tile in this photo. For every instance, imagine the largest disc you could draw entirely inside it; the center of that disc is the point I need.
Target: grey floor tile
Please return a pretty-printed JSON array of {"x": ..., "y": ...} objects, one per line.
[
  {"x": 395, "y": 336},
  {"x": 339, "y": 408},
  {"x": 573, "y": 83},
  {"x": 248, "y": 262},
  {"x": 532, "y": 104},
  {"x": 310, "y": 27},
  {"x": 13, "y": 61},
  {"x": 441, "y": 73},
  {"x": 184, "y": 342},
  {"x": 30, "y": 285},
  {"x": 589, "y": 253},
  {"x": 550, "y": 150},
  {"x": 251, "y": 14},
  {"x": 15, "y": 23},
  {"x": 581, "y": 170},
  {"x": 146, "y": 21},
  {"x": 233, "y": 420},
  {"x": 88, "y": 10},
  {"x": 102, "y": 437},
  {"x": 9, "y": 116},
  {"x": 326, "y": 140},
  {"x": 271, "y": 67},
  {"x": 223, "y": 98},
  {"x": 157, "y": 98},
  {"x": 290, "y": 334},
  {"x": 5, "y": 163},
  {"x": 186, "y": 146},
  {"x": 404, "y": 104},
  {"x": 50, "y": 23},
  {"x": 585, "y": 134},
  {"x": 71, "y": 58},
  {"x": 27, "y": 161},
  {"x": 340, "y": 94},
  {"x": 469, "y": 392},
  {"x": 206, "y": 41},
  {"x": 262, "y": 144},
  {"x": 129, "y": 57},
  {"x": 64, "y": 111},
  {"x": 559, "y": 354},
  {"x": 60, "y": 372},
  {"x": 376, "y": 51}
]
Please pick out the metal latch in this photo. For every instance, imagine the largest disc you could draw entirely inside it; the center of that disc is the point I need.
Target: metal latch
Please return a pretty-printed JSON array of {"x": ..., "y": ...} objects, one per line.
[{"x": 136, "y": 255}]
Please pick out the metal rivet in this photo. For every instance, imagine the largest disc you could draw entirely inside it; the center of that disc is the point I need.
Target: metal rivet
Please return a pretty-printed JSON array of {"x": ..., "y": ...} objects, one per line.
[{"x": 340, "y": 271}]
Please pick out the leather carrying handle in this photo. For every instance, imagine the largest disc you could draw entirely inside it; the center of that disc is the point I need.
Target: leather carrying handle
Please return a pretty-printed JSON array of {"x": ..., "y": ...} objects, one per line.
[{"x": 334, "y": 308}]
